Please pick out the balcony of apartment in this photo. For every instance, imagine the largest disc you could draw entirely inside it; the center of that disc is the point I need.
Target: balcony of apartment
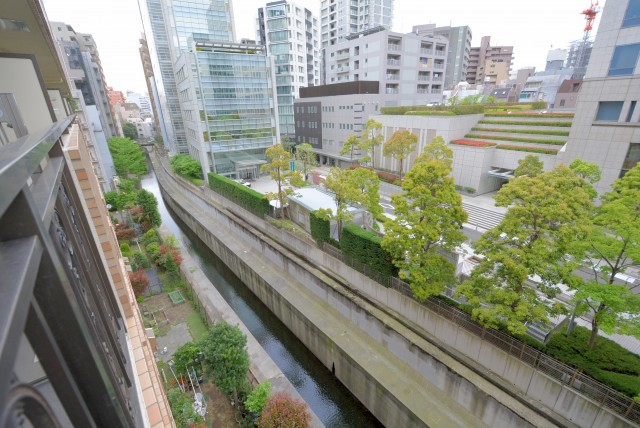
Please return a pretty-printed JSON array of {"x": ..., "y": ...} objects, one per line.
[
  {"x": 393, "y": 60},
  {"x": 436, "y": 89},
  {"x": 440, "y": 52},
  {"x": 393, "y": 75},
  {"x": 426, "y": 49},
  {"x": 437, "y": 78},
  {"x": 424, "y": 63},
  {"x": 423, "y": 76},
  {"x": 343, "y": 54},
  {"x": 438, "y": 65},
  {"x": 423, "y": 89},
  {"x": 394, "y": 46},
  {"x": 343, "y": 68},
  {"x": 392, "y": 89}
]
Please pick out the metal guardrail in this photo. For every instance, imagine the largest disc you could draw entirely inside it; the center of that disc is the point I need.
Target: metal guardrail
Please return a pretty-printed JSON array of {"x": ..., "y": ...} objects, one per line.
[{"x": 566, "y": 375}]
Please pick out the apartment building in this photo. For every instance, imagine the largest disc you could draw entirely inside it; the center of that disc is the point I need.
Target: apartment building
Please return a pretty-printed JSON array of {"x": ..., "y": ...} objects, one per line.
[
  {"x": 147, "y": 68},
  {"x": 606, "y": 126},
  {"x": 341, "y": 18},
  {"x": 292, "y": 37},
  {"x": 409, "y": 67},
  {"x": 73, "y": 346},
  {"x": 458, "y": 53},
  {"x": 489, "y": 64}
]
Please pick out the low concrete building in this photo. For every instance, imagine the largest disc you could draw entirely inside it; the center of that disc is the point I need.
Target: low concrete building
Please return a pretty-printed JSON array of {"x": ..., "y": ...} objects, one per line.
[{"x": 567, "y": 96}]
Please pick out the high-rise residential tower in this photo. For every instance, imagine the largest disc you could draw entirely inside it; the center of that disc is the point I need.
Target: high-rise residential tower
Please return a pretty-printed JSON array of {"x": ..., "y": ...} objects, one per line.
[
  {"x": 606, "y": 126},
  {"x": 458, "y": 53},
  {"x": 340, "y": 18},
  {"x": 291, "y": 35}
]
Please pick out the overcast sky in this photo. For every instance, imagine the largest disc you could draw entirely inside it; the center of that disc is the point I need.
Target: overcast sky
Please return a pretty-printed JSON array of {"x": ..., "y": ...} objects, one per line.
[{"x": 532, "y": 27}]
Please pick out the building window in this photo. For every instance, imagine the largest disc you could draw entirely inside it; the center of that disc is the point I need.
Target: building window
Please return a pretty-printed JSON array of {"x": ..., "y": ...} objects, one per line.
[
  {"x": 561, "y": 103},
  {"x": 609, "y": 111},
  {"x": 632, "y": 108},
  {"x": 632, "y": 158},
  {"x": 632, "y": 15},
  {"x": 624, "y": 60}
]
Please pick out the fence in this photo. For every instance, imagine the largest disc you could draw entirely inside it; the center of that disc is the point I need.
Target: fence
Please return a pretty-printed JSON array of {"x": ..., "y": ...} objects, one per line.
[{"x": 564, "y": 374}]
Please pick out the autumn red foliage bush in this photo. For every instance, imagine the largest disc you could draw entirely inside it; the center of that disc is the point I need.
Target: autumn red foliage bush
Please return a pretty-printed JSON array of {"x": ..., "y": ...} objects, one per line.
[
  {"x": 283, "y": 411},
  {"x": 126, "y": 234},
  {"x": 139, "y": 281},
  {"x": 472, "y": 143}
]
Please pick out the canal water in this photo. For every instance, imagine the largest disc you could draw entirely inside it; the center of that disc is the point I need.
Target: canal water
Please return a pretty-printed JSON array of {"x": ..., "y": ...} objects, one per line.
[{"x": 327, "y": 397}]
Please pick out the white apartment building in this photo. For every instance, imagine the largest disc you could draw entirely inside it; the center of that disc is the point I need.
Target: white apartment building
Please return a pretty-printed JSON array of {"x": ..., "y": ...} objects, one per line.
[
  {"x": 409, "y": 67},
  {"x": 341, "y": 18},
  {"x": 291, "y": 35},
  {"x": 606, "y": 126}
]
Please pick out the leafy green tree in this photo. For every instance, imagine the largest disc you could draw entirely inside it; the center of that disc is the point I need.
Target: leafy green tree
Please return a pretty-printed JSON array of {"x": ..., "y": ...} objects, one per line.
[
  {"x": 256, "y": 401},
  {"x": 128, "y": 157},
  {"x": 471, "y": 99},
  {"x": 280, "y": 172},
  {"x": 186, "y": 166},
  {"x": 371, "y": 138},
  {"x": 530, "y": 165},
  {"x": 150, "y": 217},
  {"x": 545, "y": 214},
  {"x": 429, "y": 217},
  {"x": 129, "y": 130},
  {"x": 400, "y": 146},
  {"x": 283, "y": 411},
  {"x": 226, "y": 357},
  {"x": 612, "y": 246},
  {"x": 305, "y": 159},
  {"x": 187, "y": 357},
  {"x": 438, "y": 150},
  {"x": 590, "y": 172},
  {"x": 454, "y": 100},
  {"x": 350, "y": 146},
  {"x": 120, "y": 200},
  {"x": 367, "y": 184}
]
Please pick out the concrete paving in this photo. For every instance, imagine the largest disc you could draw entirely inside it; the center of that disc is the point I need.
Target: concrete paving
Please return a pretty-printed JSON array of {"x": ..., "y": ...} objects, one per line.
[{"x": 174, "y": 339}]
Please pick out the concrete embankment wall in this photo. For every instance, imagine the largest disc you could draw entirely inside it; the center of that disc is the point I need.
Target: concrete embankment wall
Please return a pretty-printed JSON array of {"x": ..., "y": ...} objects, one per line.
[
  {"x": 444, "y": 373},
  {"x": 216, "y": 308}
]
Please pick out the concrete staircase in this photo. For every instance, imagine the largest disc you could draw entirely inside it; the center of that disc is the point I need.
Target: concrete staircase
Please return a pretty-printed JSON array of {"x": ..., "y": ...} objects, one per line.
[{"x": 482, "y": 217}]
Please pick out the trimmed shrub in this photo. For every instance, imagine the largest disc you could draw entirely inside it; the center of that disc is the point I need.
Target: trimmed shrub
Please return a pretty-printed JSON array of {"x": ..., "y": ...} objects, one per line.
[
  {"x": 320, "y": 227},
  {"x": 125, "y": 250},
  {"x": 538, "y": 105},
  {"x": 523, "y": 131},
  {"x": 528, "y": 149},
  {"x": 518, "y": 139},
  {"x": 126, "y": 234},
  {"x": 240, "y": 194},
  {"x": 364, "y": 246},
  {"x": 149, "y": 237},
  {"x": 525, "y": 123},
  {"x": 140, "y": 261},
  {"x": 434, "y": 110},
  {"x": 527, "y": 114}
]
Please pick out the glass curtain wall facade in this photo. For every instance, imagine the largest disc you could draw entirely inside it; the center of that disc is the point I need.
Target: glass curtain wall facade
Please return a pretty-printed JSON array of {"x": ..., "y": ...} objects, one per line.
[{"x": 227, "y": 93}]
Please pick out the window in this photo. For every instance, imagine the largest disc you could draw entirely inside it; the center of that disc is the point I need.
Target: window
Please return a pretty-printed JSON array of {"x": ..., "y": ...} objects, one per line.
[
  {"x": 632, "y": 108},
  {"x": 561, "y": 103},
  {"x": 609, "y": 111},
  {"x": 624, "y": 60},
  {"x": 632, "y": 158},
  {"x": 632, "y": 15}
]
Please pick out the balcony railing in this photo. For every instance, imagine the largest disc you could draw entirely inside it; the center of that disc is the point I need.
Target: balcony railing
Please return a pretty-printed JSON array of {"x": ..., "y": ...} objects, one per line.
[
  {"x": 426, "y": 51},
  {"x": 394, "y": 47},
  {"x": 393, "y": 77},
  {"x": 393, "y": 62},
  {"x": 392, "y": 91}
]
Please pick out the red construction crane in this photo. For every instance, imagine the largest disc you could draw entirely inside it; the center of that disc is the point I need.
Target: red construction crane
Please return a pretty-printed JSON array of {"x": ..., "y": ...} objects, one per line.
[{"x": 590, "y": 16}]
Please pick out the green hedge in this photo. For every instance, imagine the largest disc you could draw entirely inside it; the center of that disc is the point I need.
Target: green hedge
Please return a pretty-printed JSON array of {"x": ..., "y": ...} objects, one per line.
[
  {"x": 517, "y": 139},
  {"x": 364, "y": 246},
  {"x": 608, "y": 362},
  {"x": 320, "y": 227},
  {"x": 525, "y": 123},
  {"x": 523, "y": 131},
  {"x": 239, "y": 193},
  {"x": 538, "y": 105},
  {"x": 528, "y": 149},
  {"x": 522, "y": 114},
  {"x": 434, "y": 110}
]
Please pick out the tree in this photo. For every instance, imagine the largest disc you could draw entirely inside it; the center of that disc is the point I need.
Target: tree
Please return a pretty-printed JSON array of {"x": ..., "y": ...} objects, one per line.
[
  {"x": 279, "y": 170},
  {"x": 429, "y": 217},
  {"x": 128, "y": 157},
  {"x": 182, "y": 409},
  {"x": 590, "y": 172},
  {"x": 150, "y": 216},
  {"x": 400, "y": 146},
  {"x": 186, "y": 166},
  {"x": 437, "y": 150},
  {"x": 454, "y": 100},
  {"x": 139, "y": 282},
  {"x": 538, "y": 232},
  {"x": 367, "y": 186},
  {"x": 612, "y": 246},
  {"x": 530, "y": 165},
  {"x": 129, "y": 130},
  {"x": 226, "y": 357},
  {"x": 256, "y": 401},
  {"x": 305, "y": 159},
  {"x": 283, "y": 411},
  {"x": 371, "y": 138},
  {"x": 187, "y": 357},
  {"x": 349, "y": 146}
]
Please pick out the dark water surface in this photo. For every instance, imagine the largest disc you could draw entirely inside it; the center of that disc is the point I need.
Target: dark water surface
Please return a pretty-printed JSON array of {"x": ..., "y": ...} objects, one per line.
[{"x": 327, "y": 397}]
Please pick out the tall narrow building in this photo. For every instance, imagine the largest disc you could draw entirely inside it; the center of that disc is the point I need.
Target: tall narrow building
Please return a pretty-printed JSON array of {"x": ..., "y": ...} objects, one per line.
[
  {"x": 291, "y": 35},
  {"x": 489, "y": 64},
  {"x": 606, "y": 127},
  {"x": 340, "y": 18}
]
